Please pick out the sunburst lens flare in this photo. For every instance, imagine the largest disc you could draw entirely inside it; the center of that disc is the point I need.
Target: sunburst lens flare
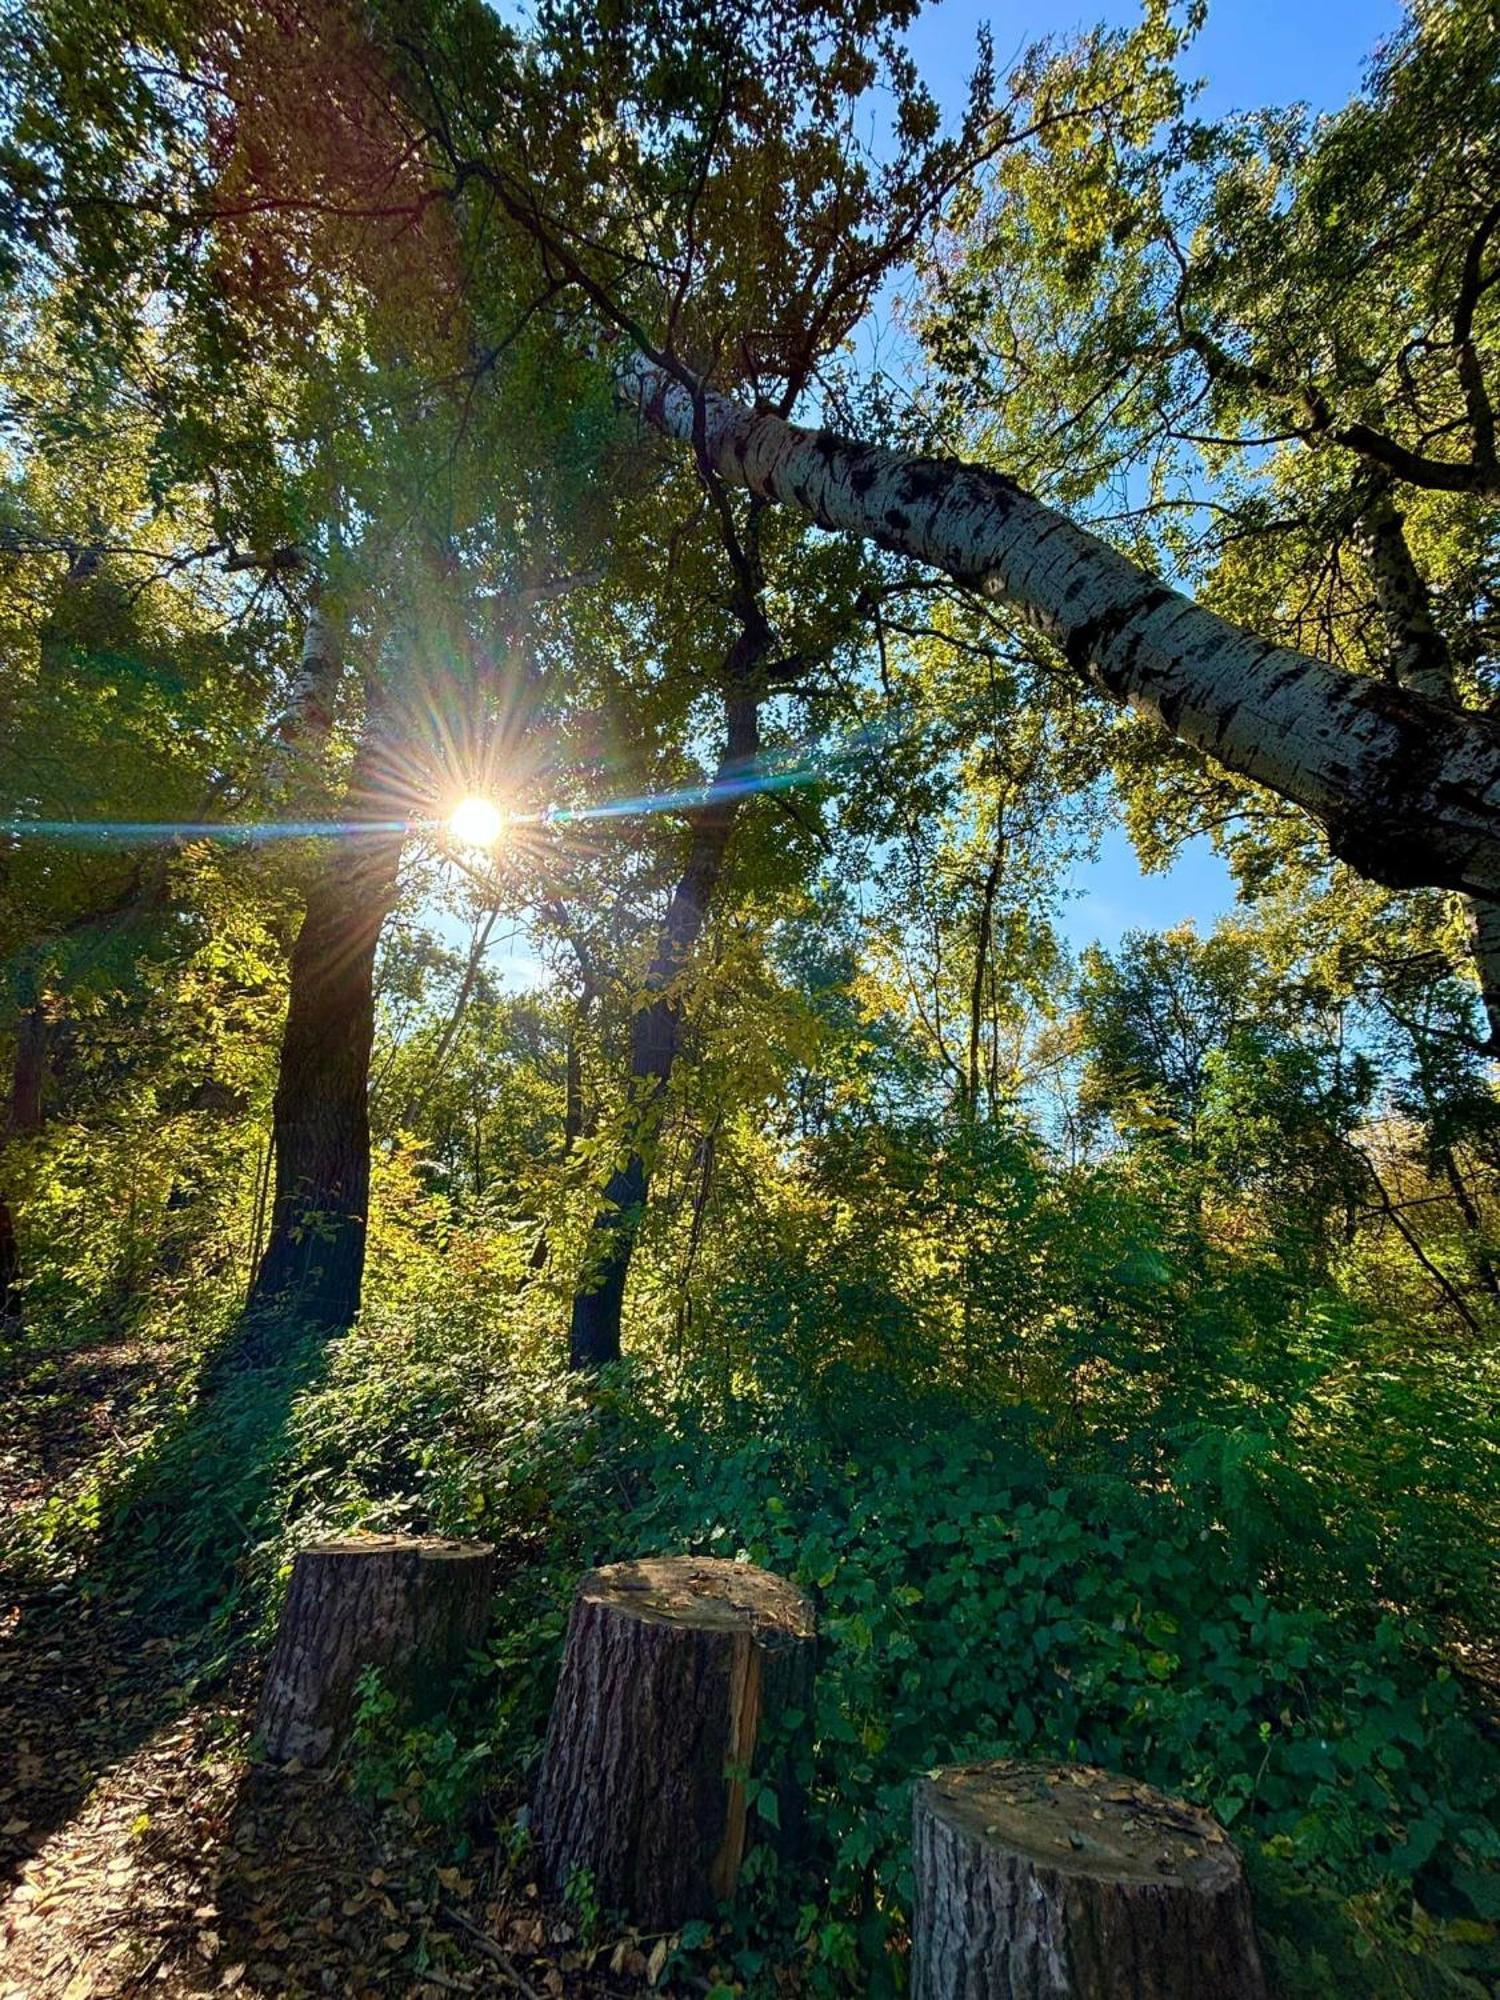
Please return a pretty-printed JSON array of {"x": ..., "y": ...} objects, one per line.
[{"x": 475, "y": 822}]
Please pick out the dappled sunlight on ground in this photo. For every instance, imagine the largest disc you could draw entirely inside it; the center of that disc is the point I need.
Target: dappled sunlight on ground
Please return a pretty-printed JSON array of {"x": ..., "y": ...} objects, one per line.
[{"x": 144, "y": 1853}]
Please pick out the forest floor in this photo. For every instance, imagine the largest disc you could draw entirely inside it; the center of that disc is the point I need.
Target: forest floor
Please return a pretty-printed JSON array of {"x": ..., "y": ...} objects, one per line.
[{"x": 143, "y": 1852}]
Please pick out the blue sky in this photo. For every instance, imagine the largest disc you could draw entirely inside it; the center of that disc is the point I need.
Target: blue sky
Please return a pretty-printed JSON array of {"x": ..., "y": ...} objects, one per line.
[{"x": 1250, "y": 53}]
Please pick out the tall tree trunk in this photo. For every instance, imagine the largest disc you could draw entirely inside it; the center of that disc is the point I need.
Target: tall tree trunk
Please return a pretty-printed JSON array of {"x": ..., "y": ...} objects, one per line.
[
  {"x": 1418, "y": 655},
  {"x": 312, "y": 1268},
  {"x": 595, "y": 1334},
  {"x": 1420, "y": 659},
  {"x": 990, "y": 889},
  {"x": 12, "y": 1298},
  {"x": 23, "y": 1121},
  {"x": 1407, "y": 788},
  {"x": 29, "y": 1075}
]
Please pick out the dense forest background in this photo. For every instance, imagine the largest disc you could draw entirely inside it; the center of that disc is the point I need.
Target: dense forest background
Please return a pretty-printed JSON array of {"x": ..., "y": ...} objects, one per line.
[{"x": 1110, "y": 1341}]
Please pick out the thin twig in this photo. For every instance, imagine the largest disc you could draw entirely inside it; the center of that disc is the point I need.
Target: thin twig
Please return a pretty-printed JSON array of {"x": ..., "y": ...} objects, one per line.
[{"x": 487, "y": 1945}]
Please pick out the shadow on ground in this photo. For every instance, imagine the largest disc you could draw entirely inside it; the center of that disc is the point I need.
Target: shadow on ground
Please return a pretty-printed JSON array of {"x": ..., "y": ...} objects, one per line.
[
  {"x": 141, "y": 1848},
  {"x": 94, "y": 1665}
]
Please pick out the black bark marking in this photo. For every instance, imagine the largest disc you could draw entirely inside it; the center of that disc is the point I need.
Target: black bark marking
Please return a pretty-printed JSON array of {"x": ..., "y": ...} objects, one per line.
[
  {"x": 862, "y": 474},
  {"x": 1086, "y": 641}
]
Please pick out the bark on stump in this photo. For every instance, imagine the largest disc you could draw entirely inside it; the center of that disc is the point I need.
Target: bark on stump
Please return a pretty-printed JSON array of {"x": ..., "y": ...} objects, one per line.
[
  {"x": 676, "y": 1672},
  {"x": 410, "y": 1605},
  {"x": 1061, "y": 1882}
]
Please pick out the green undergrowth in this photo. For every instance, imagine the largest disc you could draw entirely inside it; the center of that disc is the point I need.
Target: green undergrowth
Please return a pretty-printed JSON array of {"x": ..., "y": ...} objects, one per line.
[{"x": 978, "y": 1593}]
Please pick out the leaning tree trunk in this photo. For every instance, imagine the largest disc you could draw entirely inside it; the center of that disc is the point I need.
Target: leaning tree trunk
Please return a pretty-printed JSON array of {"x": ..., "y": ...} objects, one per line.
[
  {"x": 598, "y": 1304},
  {"x": 1407, "y": 788},
  {"x": 682, "y": 1677},
  {"x": 313, "y": 1265},
  {"x": 1060, "y": 1882},
  {"x": 414, "y": 1608}
]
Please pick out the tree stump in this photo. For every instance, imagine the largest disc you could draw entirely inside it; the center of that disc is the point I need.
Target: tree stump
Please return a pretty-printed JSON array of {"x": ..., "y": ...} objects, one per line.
[
  {"x": 412, "y": 1606},
  {"x": 677, "y": 1672},
  {"x": 1061, "y": 1882}
]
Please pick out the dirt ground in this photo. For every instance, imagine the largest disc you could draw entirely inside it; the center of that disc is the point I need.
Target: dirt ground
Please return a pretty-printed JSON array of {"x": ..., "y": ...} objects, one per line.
[{"x": 143, "y": 1852}]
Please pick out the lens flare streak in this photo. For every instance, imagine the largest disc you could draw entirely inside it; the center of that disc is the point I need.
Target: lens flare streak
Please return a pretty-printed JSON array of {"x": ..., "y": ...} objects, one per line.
[
  {"x": 156, "y": 833},
  {"x": 689, "y": 798},
  {"x": 251, "y": 833}
]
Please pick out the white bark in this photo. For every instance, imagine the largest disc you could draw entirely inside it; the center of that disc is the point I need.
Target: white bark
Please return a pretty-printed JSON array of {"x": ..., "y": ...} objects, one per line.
[
  {"x": 304, "y": 726},
  {"x": 1482, "y": 920},
  {"x": 1408, "y": 789}
]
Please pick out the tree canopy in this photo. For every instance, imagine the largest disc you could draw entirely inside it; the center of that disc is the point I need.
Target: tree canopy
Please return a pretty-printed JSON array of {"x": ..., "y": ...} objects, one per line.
[{"x": 805, "y": 530}]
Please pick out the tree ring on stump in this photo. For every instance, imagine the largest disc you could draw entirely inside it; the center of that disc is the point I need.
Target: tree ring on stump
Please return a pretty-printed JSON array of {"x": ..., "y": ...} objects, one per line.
[
  {"x": 425, "y": 1548},
  {"x": 681, "y": 1676},
  {"x": 1064, "y": 1882},
  {"x": 705, "y": 1592}
]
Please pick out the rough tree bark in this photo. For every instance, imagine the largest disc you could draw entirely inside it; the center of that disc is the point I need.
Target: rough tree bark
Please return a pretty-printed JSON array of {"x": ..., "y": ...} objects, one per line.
[
  {"x": 681, "y": 1676},
  {"x": 23, "y": 1121},
  {"x": 1407, "y": 788},
  {"x": 1420, "y": 659},
  {"x": 413, "y": 1607},
  {"x": 594, "y": 1337},
  {"x": 1060, "y": 1882},
  {"x": 312, "y": 1268},
  {"x": 1418, "y": 653}
]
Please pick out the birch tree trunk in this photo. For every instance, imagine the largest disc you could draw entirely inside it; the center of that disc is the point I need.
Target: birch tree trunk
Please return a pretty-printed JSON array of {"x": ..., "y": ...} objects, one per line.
[
  {"x": 306, "y": 722},
  {"x": 594, "y": 1337},
  {"x": 1407, "y": 788}
]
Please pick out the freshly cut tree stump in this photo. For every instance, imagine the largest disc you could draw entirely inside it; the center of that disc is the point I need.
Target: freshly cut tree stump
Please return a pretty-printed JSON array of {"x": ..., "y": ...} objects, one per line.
[
  {"x": 1061, "y": 1882},
  {"x": 676, "y": 1671},
  {"x": 412, "y": 1606}
]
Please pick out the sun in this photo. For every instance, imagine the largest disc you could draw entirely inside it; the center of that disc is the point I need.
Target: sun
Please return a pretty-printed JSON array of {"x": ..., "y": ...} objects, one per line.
[{"x": 475, "y": 822}]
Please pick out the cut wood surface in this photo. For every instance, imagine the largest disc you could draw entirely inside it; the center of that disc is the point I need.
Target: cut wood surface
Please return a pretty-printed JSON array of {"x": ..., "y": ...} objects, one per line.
[
  {"x": 1063, "y": 1882},
  {"x": 412, "y": 1606},
  {"x": 681, "y": 1675}
]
